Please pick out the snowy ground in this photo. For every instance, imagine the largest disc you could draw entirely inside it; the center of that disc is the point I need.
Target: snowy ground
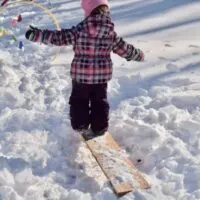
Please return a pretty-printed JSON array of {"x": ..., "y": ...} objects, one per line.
[{"x": 155, "y": 106}]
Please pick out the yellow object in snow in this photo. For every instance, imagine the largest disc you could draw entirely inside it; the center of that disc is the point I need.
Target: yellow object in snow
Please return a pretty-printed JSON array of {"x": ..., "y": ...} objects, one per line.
[{"x": 3, "y": 32}]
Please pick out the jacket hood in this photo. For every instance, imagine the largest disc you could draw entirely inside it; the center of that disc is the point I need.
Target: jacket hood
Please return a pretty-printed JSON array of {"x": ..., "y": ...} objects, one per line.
[{"x": 99, "y": 25}]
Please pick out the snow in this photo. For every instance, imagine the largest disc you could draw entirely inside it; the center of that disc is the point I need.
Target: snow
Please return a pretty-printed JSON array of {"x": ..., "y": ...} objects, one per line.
[{"x": 154, "y": 114}]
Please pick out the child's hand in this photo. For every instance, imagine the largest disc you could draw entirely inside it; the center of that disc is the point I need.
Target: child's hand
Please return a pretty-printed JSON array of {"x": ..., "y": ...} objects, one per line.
[
  {"x": 33, "y": 33},
  {"x": 140, "y": 56}
]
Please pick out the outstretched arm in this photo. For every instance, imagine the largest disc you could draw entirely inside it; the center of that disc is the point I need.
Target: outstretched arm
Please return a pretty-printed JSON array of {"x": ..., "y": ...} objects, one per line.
[
  {"x": 127, "y": 51},
  {"x": 58, "y": 38}
]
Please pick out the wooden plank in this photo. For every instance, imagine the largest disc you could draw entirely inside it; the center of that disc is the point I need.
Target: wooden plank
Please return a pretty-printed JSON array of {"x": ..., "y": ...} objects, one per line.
[
  {"x": 83, "y": 154},
  {"x": 120, "y": 171}
]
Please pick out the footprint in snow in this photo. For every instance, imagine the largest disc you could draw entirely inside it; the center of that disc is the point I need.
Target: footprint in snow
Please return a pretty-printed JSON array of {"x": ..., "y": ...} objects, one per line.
[
  {"x": 168, "y": 45},
  {"x": 195, "y": 53},
  {"x": 194, "y": 46},
  {"x": 167, "y": 59},
  {"x": 172, "y": 67}
]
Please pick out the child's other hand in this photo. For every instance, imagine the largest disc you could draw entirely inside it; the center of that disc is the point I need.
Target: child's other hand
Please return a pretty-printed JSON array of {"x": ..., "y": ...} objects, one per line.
[
  {"x": 140, "y": 56},
  {"x": 31, "y": 33}
]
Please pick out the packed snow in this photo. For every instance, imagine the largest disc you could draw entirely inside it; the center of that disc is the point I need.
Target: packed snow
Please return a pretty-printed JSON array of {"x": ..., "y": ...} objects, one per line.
[{"x": 154, "y": 114}]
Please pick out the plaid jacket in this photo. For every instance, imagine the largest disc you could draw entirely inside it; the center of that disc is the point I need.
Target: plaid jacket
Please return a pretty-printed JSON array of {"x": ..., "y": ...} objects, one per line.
[{"x": 93, "y": 40}]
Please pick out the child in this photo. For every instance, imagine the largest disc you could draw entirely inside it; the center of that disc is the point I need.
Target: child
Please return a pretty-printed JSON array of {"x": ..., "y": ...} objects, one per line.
[{"x": 93, "y": 40}]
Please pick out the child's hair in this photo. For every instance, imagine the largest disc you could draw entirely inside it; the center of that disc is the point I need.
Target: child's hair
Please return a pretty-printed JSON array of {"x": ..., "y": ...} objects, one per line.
[{"x": 100, "y": 9}]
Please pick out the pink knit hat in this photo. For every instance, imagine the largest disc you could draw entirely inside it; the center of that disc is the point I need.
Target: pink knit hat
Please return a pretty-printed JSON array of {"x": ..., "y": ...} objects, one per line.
[{"x": 89, "y": 5}]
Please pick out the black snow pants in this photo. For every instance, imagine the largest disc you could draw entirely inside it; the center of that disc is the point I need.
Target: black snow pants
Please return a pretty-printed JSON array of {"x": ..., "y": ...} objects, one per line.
[{"x": 89, "y": 107}]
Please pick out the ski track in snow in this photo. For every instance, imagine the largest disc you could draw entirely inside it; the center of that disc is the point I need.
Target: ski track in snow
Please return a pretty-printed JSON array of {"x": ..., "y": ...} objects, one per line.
[{"x": 154, "y": 116}]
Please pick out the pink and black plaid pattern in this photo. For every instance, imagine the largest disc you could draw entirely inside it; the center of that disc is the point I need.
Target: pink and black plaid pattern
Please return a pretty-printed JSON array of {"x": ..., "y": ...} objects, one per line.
[{"x": 93, "y": 40}]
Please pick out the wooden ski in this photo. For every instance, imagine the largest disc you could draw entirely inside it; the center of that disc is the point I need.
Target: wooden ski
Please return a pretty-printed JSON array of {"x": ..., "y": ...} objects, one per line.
[{"x": 120, "y": 171}]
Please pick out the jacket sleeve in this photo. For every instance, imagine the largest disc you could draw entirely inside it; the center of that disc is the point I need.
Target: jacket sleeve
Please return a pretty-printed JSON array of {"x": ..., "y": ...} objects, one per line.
[
  {"x": 125, "y": 50},
  {"x": 59, "y": 38}
]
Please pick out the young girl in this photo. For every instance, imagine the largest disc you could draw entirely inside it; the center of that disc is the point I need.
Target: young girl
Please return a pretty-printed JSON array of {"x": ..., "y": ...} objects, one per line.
[{"x": 93, "y": 40}]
